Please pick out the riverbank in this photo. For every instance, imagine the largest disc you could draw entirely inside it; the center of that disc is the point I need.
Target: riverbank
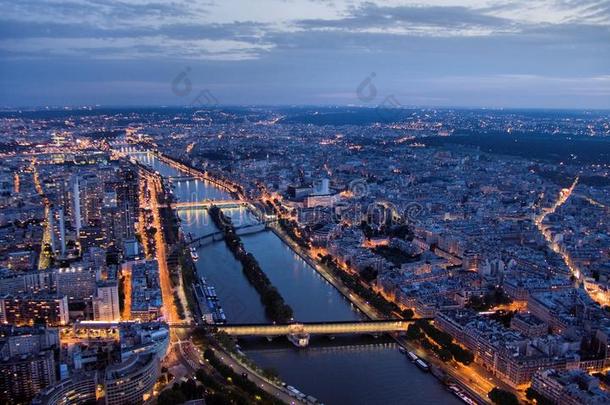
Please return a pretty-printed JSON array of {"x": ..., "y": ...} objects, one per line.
[{"x": 235, "y": 189}]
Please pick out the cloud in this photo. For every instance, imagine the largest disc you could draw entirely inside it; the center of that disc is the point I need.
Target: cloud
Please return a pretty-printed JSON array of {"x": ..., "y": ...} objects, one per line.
[
  {"x": 94, "y": 11},
  {"x": 591, "y": 11},
  {"x": 277, "y": 51},
  {"x": 135, "y": 48},
  {"x": 371, "y": 16},
  {"x": 62, "y": 26},
  {"x": 246, "y": 30}
]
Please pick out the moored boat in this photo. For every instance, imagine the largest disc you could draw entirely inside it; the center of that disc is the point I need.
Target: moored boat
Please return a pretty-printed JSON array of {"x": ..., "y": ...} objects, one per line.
[
  {"x": 422, "y": 365},
  {"x": 194, "y": 254}
]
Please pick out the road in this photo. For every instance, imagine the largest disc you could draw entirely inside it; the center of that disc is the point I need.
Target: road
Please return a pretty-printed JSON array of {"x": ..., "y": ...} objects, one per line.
[
  {"x": 171, "y": 313},
  {"x": 194, "y": 356},
  {"x": 471, "y": 378},
  {"x": 564, "y": 195},
  {"x": 266, "y": 385}
]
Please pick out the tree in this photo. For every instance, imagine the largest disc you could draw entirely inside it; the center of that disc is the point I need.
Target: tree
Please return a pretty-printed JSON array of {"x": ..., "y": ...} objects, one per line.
[
  {"x": 218, "y": 399},
  {"x": 170, "y": 397},
  {"x": 444, "y": 354},
  {"x": 271, "y": 373},
  {"x": 502, "y": 397},
  {"x": 462, "y": 355},
  {"x": 413, "y": 332},
  {"x": 368, "y": 274},
  {"x": 533, "y": 395}
]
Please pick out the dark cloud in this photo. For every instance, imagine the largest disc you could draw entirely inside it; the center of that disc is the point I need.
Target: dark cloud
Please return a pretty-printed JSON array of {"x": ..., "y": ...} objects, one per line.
[
  {"x": 239, "y": 31},
  {"x": 372, "y": 16},
  {"x": 103, "y": 9},
  {"x": 115, "y": 52}
]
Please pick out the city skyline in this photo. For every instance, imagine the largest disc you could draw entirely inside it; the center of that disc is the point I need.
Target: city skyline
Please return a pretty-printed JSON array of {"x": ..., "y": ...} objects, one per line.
[
  {"x": 547, "y": 54},
  {"x": 305, "y": 202}
]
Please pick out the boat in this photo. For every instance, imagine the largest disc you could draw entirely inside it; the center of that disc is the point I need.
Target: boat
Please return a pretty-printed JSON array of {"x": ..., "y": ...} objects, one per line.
[
  {"x": 412, "y": 356},
  {"x": 208, "y": 302},
  {"x": 293, "y": 392},
  {"x": 402, "y": 349},
  {"x": 312, "y": 399},
  {"x": 299, "y": 339},
  {"x": 194, "y": 254},
  {"x": 458, "y": 392},
  {"x": 422, "y": 365}
]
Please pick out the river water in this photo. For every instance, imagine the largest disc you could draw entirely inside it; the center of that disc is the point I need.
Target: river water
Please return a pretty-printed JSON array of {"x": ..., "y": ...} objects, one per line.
[{"x": 347, "y": 370}]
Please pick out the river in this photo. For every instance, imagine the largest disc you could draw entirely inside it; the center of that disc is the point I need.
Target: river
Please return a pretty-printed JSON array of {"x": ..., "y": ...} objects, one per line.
[{"x": 348, "y": 370}]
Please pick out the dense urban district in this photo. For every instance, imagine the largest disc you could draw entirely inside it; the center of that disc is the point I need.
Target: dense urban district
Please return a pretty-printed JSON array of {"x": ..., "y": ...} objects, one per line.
[{"x": 474, "y": 243}]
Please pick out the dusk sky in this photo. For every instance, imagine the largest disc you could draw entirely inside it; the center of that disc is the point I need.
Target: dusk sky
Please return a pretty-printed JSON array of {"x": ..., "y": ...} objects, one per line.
[{"x": 479, "y": 53}]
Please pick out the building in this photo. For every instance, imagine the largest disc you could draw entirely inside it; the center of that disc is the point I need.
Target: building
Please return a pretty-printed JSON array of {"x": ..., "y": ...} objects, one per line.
[
  {"x": 27, "y": 361},
  {"x": 569, "y": 387},
  {"x": 106, "y": 303},
  {"x": 34, "y": 281},
  {"x": 132, "y": 381},
  {"x": 16, "y": 341},
  {"x": 21, "y": 261},
  {"x": 529, "y": 325},
  {"x": 25, "y": 375},
  {"x": 89, "y": 194},
  {"x": 507, "y": 354},
  {"x": 76, "y": 390},
  {"x": 322, "y": 200},
  {"x": 91, "y": 236},
  {"x": 50, "y": 309},
  {"x": 298, "y": 192},
  {"x": 139, "y": 338},
  {"x": 77, "y": 282},
  {"x": 131, "y": 249},
  {"x": 563, "y": 309},
  {"x": 146, "y": 300}
]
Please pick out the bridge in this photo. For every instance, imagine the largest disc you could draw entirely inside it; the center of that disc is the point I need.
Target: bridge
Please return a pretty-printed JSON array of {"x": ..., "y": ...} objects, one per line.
[
  {"x": 181, "y": 178},
  {"x": 215, "y": 236},
  {"x": 132, "y": 151},
  {"x": 317, "y": 328},
  {"x": 208, "y": 203},
  {"x": 299, "y": 333}
]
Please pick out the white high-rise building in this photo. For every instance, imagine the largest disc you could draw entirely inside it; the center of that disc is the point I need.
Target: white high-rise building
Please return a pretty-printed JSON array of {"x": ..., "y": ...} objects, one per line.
[
  {"x": 321, "y": 187},
  {"x": 51, "y": 227},
  {"x": 77, "y": 213},
  {"x": 106, "y": 304},
  {"x": 62, "y": 231}
]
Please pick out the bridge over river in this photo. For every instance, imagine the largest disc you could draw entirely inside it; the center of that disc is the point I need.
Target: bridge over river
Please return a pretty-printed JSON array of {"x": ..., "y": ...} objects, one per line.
[
  {"x": 208, "y": 203},
  {"x": 316, "y": 328},
  {"x": 215, "y": 236},
  {"x": 299, "y": 332}
]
